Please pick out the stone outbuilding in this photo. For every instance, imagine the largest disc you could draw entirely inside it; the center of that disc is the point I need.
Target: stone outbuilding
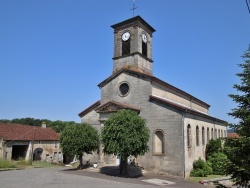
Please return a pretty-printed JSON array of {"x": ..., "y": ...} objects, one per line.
[
  {"x": 29, "y": 142},
  {"x": 180, "y": 124}
]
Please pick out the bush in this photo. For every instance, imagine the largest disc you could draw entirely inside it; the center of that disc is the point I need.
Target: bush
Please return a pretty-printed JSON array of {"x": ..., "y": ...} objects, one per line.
[
  {"x": 218, "y": 161},
  {"x": 197, "y": 173},
  {"x": 201, "y": 169},
  {"x": 214, "y": 146}
]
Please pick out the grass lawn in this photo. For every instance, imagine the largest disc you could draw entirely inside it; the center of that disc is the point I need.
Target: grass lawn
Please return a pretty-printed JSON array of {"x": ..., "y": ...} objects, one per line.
[
  {"x": 41, "y": 164},
  {"x": 198, "y": 179},
  {"x": 6, "y": 164}
]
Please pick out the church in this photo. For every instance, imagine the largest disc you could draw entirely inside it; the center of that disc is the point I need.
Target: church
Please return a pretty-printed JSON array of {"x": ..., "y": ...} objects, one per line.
[{"x": 180, "y": 125}]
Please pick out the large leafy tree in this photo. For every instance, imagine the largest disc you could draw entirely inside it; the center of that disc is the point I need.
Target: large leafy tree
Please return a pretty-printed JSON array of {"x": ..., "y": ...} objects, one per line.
[
  {"x": 125, "y": 133},
  {"x": 238, "y": 150},
  {"x": 79, "y": 139},
  {"x": 242, "y": 112}
]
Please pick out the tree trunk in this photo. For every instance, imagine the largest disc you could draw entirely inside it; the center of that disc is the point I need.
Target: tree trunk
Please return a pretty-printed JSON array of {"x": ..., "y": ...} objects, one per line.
[
  {"x": 123, "y": 166},
  {"x": 81, "y": 164}
]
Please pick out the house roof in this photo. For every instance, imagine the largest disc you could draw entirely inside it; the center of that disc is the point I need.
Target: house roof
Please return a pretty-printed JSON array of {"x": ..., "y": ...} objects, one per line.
[
  {"x": 90, "y": 108},
  {"x": 26, "y": 132},
  {"x": 232, "y": 135},
  {"x": 114, "y": 106},
  {"x": 184, "y": 108},
  {"x": 155, "y": 79}
]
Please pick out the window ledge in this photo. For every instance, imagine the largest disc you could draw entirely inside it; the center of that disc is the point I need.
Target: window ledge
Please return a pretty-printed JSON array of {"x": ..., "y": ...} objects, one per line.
[{"x": 158, "y": 154}]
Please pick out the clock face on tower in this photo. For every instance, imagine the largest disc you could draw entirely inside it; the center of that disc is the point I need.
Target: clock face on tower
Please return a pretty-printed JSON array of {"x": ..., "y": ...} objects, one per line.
[{"x": 125, "y": 36}]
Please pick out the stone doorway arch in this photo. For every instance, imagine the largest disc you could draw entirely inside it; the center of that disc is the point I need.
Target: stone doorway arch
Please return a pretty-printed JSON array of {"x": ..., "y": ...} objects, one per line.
[{"x": 37, "y": 154}]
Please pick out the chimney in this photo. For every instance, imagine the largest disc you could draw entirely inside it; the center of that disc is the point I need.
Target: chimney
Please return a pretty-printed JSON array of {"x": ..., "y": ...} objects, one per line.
[{"x": 44, "y": 125}]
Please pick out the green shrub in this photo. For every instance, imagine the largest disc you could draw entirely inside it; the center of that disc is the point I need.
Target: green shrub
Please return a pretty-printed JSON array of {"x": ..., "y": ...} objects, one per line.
[
  {"x": 201, "y": 169},
  {"x": 197, "y": 173},
  {"x": 218, "y": 161},
  {"x": 214, "y": 146}
]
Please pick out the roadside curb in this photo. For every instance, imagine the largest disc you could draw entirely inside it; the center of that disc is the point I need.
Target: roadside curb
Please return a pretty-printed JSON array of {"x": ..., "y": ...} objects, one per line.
[
  {"x": 223, "y": 180},
  {"x": 8, "y": 169}
]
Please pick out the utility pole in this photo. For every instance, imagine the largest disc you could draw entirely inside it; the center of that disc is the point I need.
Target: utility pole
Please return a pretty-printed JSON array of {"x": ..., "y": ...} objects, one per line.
[{"x": 248, "y": 5}]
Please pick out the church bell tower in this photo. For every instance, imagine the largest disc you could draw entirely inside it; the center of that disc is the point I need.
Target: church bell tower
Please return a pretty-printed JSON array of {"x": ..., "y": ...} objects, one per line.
[{"x": 133, "y": 45}]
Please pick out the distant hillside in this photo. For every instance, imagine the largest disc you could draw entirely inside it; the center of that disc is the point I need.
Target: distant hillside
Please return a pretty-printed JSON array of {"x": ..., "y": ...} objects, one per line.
[{"x": 230, "y": 131}]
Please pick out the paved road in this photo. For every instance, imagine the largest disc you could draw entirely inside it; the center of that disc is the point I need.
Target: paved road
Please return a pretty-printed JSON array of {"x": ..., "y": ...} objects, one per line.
[{"x": 56, "y": 178}]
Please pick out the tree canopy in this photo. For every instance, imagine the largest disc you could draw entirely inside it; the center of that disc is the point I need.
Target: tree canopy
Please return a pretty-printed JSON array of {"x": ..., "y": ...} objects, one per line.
[
  {"x": 238, "y": 150},
  {"x": 125, "y": 133},
  {"x": 242, "y": 112},
  {"x": 79, "y": 139},
  {"x": 57, "y": 126}
]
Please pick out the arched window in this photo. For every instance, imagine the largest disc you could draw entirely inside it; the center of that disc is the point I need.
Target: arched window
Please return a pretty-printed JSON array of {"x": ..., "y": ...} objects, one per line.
[
  {"x": 203, "y": 135},
  {"x": 197, "y": 136},
  {"x": 215, "y": 133},
  {"x": 218, "y": 133},
  {"x": 189, "y": 136},
  {"x": 208, "y": 137},
  {"x": 221, "y": 133},
  {"x": 212, "y": 133},
  {"x": 158, "y": 142},
  {"x": 126, "y": 47},
  {"x": 144, "y": 49}
]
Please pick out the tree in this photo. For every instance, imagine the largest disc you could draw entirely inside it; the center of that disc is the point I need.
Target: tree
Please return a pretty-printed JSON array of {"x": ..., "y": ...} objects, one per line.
[
  {"x": 238, "y": 150},
  {"x": 78, "y": 139},
  {"x": 214, "y": 146},
  {"x": 125, "y": 133},
  {"x": 242, "y": 112}
]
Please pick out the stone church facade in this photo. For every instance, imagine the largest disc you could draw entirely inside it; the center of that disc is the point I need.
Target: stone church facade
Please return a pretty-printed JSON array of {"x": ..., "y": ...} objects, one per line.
[{"x": 179, "y": 123}]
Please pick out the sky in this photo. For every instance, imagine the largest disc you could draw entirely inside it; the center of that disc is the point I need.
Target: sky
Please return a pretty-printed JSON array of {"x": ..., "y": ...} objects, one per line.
[{"x": 54, "y": 53}]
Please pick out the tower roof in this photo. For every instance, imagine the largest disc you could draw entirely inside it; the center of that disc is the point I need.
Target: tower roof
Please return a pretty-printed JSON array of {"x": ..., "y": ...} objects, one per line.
[{"x": 135, "y": 21}]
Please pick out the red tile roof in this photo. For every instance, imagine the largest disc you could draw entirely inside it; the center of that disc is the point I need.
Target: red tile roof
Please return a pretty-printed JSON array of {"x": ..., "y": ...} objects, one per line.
[
  {"x": 26, "y": 132},
  {"x": 232, "y": 135}
]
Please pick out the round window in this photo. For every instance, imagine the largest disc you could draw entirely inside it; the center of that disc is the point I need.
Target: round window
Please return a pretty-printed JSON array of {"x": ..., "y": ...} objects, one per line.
[{"x": 123, "y": 89}]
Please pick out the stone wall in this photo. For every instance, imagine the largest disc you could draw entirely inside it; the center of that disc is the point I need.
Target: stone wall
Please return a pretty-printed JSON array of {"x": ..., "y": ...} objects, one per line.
[
  {"x": 168, "y": 93},
  {"x": 158, "y": 117},
  {"x": 195, "y": 151}
]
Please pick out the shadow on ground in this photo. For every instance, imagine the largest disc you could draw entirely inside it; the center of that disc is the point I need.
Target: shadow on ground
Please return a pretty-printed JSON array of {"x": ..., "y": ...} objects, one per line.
[{"x": 133, "y": 171}]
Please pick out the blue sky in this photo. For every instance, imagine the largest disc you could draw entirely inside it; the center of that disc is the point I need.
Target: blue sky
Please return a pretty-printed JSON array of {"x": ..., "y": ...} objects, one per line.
[{"x": 54, "y": 53}]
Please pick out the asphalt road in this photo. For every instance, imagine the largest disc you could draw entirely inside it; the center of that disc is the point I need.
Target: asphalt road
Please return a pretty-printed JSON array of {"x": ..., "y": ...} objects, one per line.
[{"x": 57, "y": 178}]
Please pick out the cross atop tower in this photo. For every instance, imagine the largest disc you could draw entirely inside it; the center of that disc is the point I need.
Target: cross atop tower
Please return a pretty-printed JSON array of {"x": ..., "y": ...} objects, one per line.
[{"x": 133, "y": 9}]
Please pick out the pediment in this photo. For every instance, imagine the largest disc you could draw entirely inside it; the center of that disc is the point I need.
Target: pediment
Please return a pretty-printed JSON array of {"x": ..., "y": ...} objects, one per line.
[{"x": 113, "y": 106}]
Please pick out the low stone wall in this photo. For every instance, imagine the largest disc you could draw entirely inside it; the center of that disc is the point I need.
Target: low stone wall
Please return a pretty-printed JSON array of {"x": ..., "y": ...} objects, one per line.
[{"x": 224, "y": 181}]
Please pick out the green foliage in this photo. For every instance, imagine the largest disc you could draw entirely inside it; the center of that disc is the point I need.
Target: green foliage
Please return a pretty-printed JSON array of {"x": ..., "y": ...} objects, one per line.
[
  {"x": 125, "y": 133},
  {"x": 238, "y": 153},
  {"x": 214, "y": 146},
  {"x": 57, "y": 126},
  {"x": 242, "y": 112},
  {"x": 218, "y": 163},
  {"x": 22, "y": 163},
  {"x": 201, "y": 168},
  {"x": 238, "y": 150},
  {"x": 6, "y": 163},
  {"x": 79, "y": 138}
]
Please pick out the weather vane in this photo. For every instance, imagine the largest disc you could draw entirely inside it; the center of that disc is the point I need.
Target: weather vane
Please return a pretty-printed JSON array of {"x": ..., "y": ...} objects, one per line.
[{"x": 133, "y": 9}]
